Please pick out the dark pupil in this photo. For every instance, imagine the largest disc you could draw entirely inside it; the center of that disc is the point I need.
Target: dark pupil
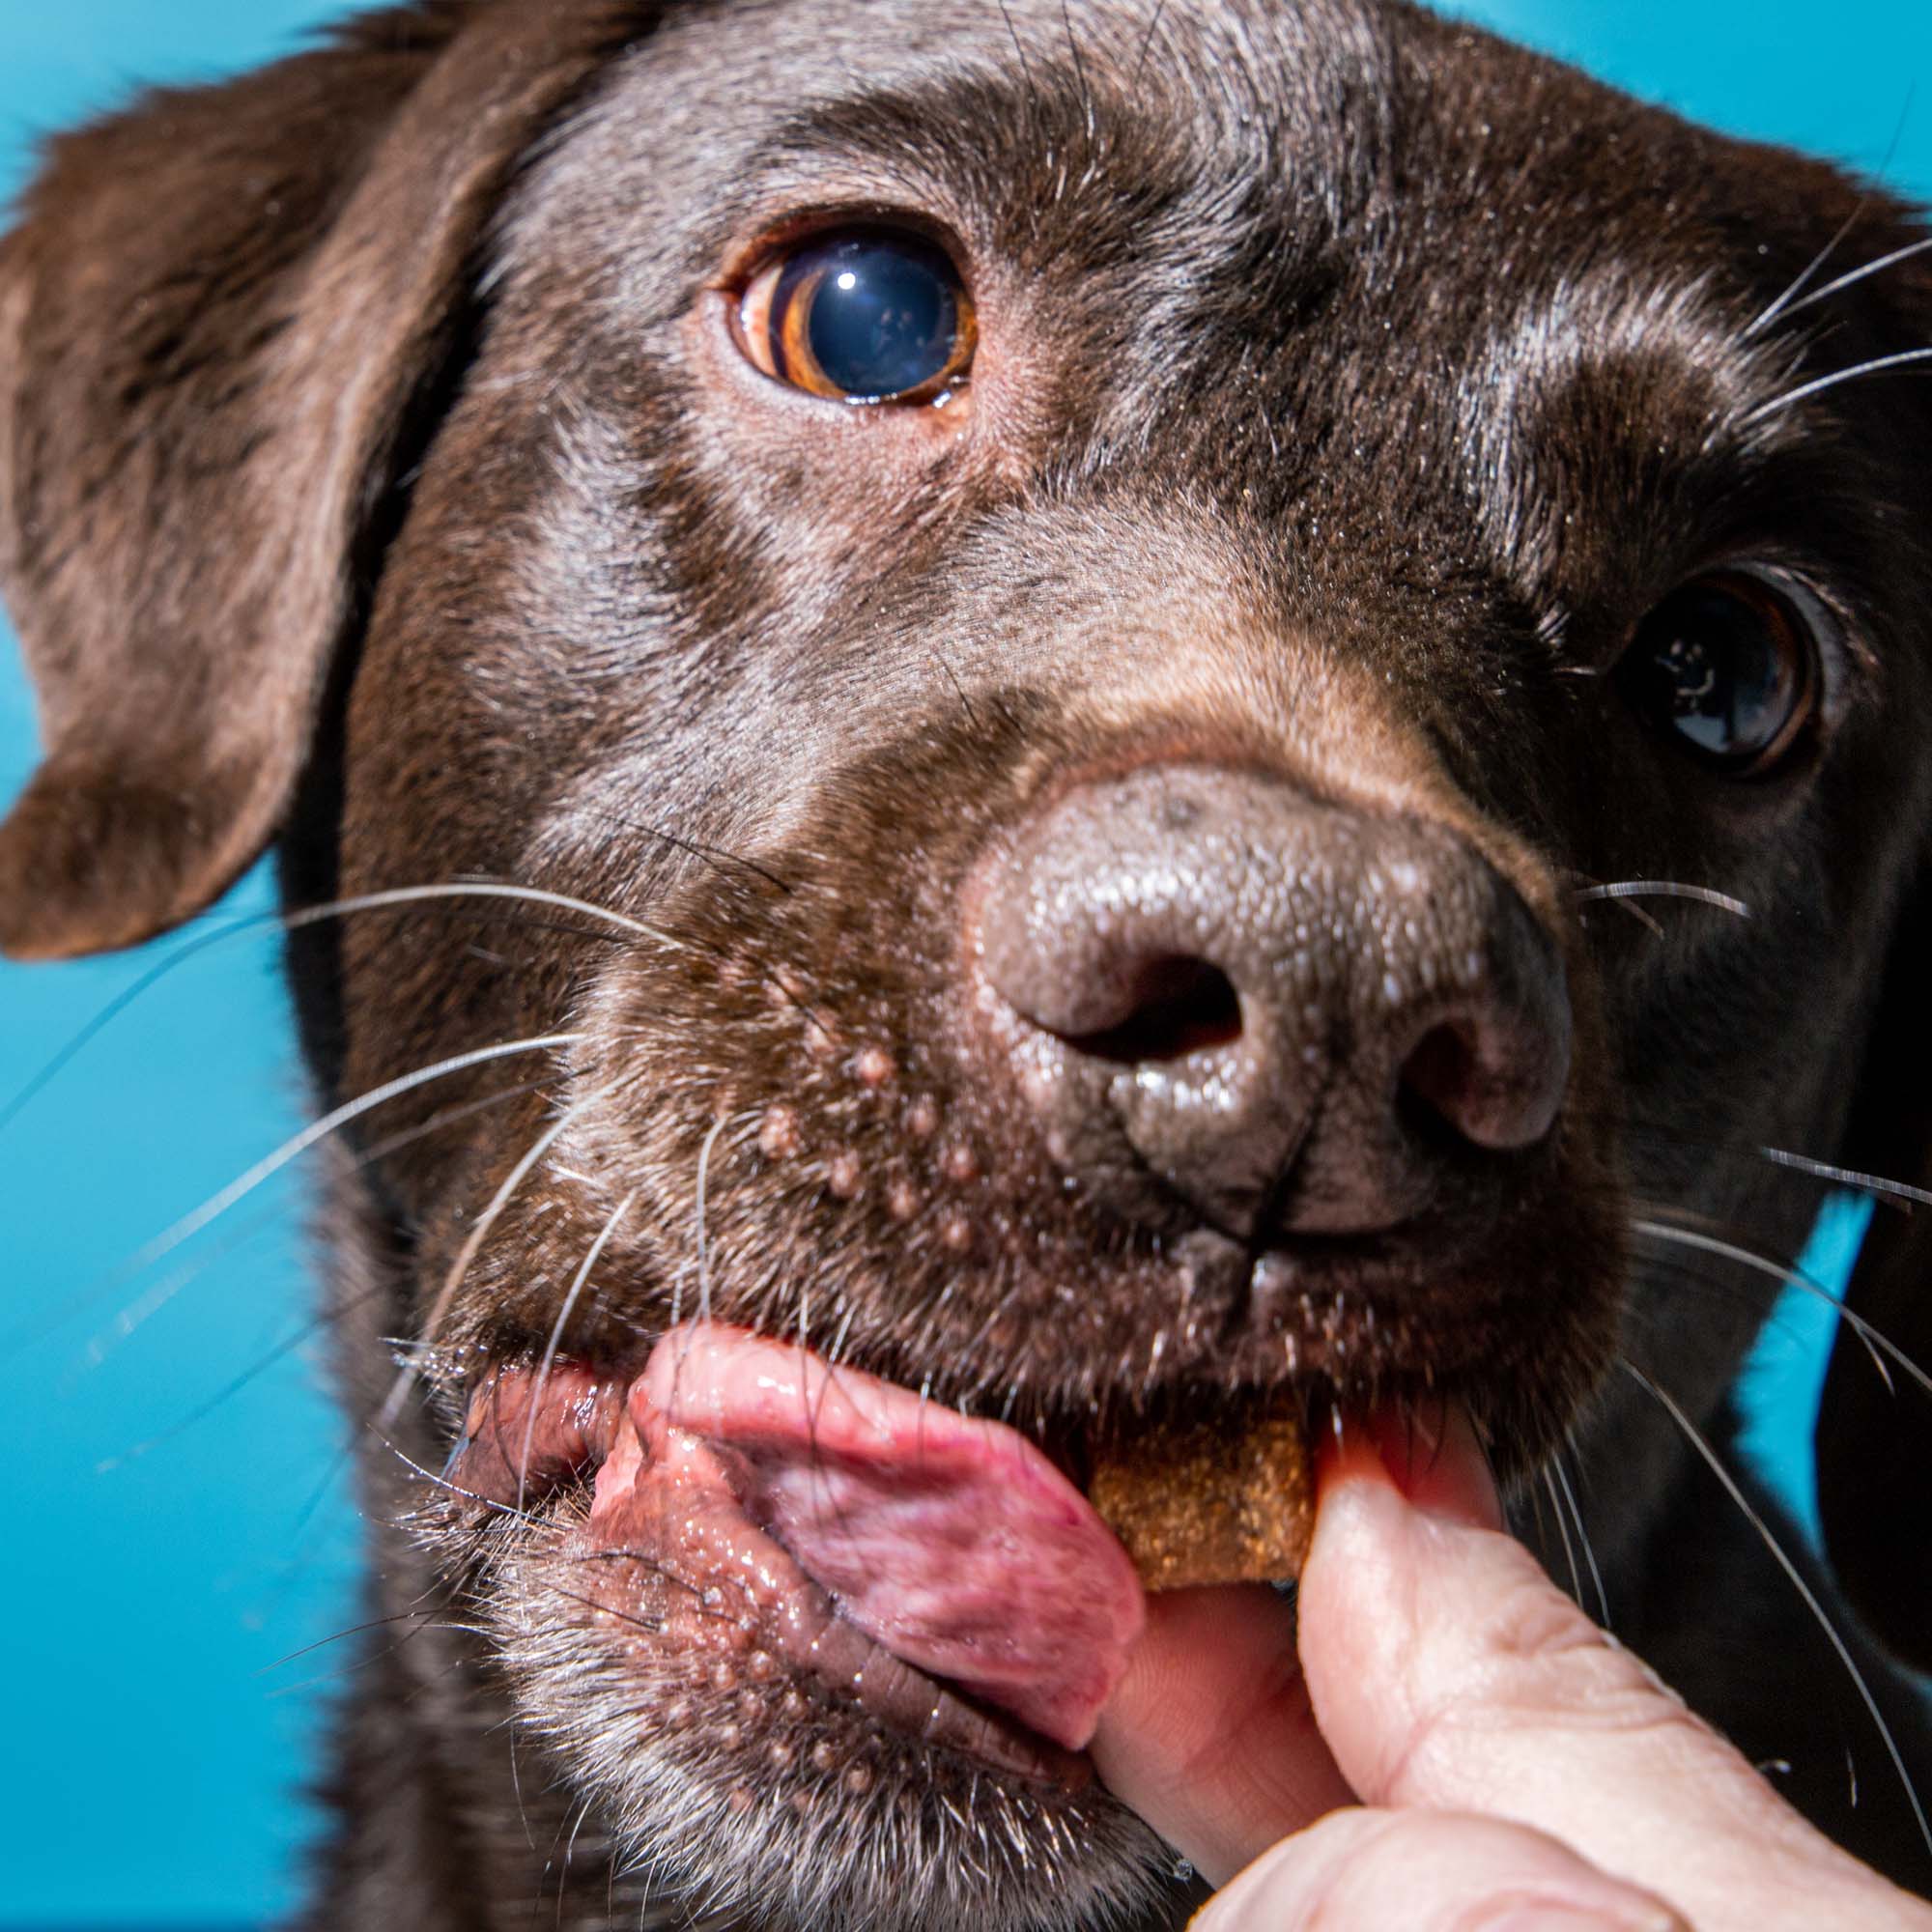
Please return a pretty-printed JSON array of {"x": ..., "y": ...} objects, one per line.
[
  {"x": 883, "y": 315},
  {"x": 1707, "y": 664}
]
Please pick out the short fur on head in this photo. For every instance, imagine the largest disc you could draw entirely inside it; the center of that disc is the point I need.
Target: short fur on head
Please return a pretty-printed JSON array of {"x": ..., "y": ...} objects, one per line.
[{"x": 380, "y": 477}]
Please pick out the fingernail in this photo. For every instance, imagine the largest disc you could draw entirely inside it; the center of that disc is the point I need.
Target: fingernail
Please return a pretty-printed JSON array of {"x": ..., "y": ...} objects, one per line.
[{"x": 1429, "y": 1454}]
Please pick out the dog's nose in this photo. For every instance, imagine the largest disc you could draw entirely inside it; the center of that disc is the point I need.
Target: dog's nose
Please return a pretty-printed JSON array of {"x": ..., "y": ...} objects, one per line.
[{"x": 1292, "y": 1015}]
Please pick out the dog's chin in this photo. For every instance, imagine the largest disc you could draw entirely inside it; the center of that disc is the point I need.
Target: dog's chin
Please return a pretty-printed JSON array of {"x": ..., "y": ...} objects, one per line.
[
  {"x": 740, "y": 1785},
  {"x": 746, "y": 1747},
  {"x": 749, "y": 1752}
]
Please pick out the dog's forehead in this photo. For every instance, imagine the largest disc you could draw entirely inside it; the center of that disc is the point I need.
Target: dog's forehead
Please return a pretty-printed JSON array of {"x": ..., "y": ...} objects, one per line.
[
  {"x": 1260, "y": 230},
  {"x": 1197, "y": 186},
  {"x": 1196, "y": 125}
]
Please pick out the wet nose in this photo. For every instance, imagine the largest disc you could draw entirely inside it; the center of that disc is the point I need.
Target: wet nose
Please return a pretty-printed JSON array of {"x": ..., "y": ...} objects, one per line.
[{"x": 1293, "y": 1015}]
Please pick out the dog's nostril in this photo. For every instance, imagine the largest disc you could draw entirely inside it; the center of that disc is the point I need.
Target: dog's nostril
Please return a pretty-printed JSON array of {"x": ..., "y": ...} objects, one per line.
[
  {"x": 1180, "y": 1006},
  {"x": 1263, "y": 1006},
  {"x": 1440, "y": 1074}
]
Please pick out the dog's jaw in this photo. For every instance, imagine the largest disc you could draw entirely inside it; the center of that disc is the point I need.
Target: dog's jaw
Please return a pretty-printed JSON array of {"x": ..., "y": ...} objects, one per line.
[
  {"x": 1354, "y": 398},
  {"x": 808, "y": 1139}
]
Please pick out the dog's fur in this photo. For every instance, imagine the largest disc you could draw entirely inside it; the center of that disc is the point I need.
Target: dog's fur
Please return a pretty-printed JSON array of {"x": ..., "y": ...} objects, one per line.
[{"x": 379, "y": 477}]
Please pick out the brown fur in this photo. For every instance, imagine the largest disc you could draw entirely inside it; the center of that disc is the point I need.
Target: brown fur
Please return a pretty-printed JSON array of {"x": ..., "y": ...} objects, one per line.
[{"x": 377, "y": 476}]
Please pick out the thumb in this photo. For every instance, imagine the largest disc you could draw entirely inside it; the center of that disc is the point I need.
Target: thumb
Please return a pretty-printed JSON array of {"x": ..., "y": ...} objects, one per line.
[
  {"x": 1210, "y": 1736},
  {"x": 1448, "y": 1672}
]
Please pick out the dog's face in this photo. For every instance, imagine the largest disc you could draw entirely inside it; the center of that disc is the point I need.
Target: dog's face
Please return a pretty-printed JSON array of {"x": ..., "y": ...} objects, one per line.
[{"x": 1075, "y": 613}]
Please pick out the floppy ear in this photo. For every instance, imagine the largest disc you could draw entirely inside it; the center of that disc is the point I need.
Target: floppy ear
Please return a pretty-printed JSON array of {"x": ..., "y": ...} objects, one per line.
[
  {"x": 1874, "y": 1441},
  {"x": 220, "y": 318}
]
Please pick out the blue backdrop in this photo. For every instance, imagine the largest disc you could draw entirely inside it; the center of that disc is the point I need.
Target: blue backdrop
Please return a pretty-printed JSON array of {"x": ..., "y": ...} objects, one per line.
[{"x": 178, "y": 1529}]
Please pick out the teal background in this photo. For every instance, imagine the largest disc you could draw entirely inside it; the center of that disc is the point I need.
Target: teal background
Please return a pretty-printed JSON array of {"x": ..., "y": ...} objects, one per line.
[{"x": 178, "y": 1528}]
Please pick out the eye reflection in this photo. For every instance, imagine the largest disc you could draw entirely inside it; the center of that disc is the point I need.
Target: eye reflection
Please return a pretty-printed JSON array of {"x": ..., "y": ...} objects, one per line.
[
  {"x": 1729, "y": 665},
  {"x": 861, "y": 316}
]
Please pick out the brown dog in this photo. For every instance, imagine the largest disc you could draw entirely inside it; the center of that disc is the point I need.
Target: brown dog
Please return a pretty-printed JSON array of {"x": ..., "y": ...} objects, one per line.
[{"x": 1060, "y": 616}]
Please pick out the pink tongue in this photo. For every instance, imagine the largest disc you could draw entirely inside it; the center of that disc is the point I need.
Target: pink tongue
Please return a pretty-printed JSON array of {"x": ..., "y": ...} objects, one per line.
[{"x": 953, "y": 1544}]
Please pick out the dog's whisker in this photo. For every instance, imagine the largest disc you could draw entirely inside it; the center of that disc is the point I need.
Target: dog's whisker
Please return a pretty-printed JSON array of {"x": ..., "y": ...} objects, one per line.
[
  {"x": 479, "y": 1233},
  {"x": 1876, "y": 365},
  {"x": 133, "y": 1315},
  {"x": 295, "y": 922},
  {"x": 1562, "y": 1475},
  {"x": 1079, "y": 62},
  {"x": 292, "y": 1148},
  {"x": 569, "y": 1853},
  {"x": 1563, "y": 1530},
  {"x": 1648, "y": 920},
  {"x": 1789, "y": 299},
  {"x": 517, "y": 1788},
  {"x": 233, "y": 1388},
  {"x": 563, "y": 1321},
  {"x": 720, "y": 857},
  {"x": 1875, "y": 1341},
  {"x": 1901, "y": 1191},
  {"x": 1664, "y": 888},
  {"x": 473, "y": 1244},
  {"x": 1783, "y": 304},
  {"x": 415, "y": 1618},
  {"x": 486, "y": 889},
  {"x": 718, "y": 1126},
  {"x": 442, "y": 1482},
  {"x": 952, "y": 678},
  {"x": 1857, "y": 276},
  {"x": 1735, "y": 1490},
  {"x": 324, "y": 1680},
  {"x": 136, "y": 1314}
]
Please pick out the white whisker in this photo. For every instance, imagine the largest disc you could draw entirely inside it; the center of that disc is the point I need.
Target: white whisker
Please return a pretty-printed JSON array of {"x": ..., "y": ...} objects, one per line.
[
  {"x": 295, "y": 922},
  {"x": 1583, "y": 1537},
  {"x": 1785, "y": 301},
  {"x": 1563, "y": 1530},
  {"x": 292, "y": 1148},
  {"x": 401, "y": 896},
  {"x": 137, "y": 1312},
  {"x": 718, "y": 1126},
  {"x": 1876, "y": 366},
  {"x": 1874, "y": 1339},
  {"x": 1857, "y": 275},
  {"x": 1665, "y": 889},
  {"x": 473, "y": 1243},
  {"x": 443, "y": 1483},
  {"x": 563, "y": 1321},
  {"x": 1846, "y": 1177},
  {"x": 1694, "y": 1436}
]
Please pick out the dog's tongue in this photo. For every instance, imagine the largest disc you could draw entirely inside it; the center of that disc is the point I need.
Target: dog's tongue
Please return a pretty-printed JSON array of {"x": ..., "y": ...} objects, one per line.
[{"x": 953, "y": 1544}]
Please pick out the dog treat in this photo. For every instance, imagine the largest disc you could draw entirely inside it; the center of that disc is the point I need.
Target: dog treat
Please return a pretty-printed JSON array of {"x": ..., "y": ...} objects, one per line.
[{"x": 1202, "y": 1502}]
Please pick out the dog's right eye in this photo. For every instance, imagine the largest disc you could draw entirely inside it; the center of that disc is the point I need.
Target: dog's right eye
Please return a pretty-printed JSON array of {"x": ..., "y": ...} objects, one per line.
[
  {"x": 1729, "y": 665},
  {"x": 861, "y": 316}
]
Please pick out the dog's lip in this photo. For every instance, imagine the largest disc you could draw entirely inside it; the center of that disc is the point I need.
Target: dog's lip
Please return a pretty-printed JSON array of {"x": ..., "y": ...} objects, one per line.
[
  {"x": 531, "y": 1429},
  {"x": 941, "y": 1573}
]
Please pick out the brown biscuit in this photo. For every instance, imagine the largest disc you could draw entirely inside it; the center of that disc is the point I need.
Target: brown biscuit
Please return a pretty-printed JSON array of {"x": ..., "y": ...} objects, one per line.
[{"x": 1201, "y": 1502}]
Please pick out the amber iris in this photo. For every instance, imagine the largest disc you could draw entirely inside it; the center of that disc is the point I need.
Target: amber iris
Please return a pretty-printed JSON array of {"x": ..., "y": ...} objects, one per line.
[
  {"x": 861, "y": 316},
  {"x": 1729, "y": 666}
]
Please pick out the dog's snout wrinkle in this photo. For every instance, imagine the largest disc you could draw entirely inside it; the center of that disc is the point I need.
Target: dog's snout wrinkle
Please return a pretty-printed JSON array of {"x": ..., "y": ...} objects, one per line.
[{"x": 1288, "y": 1012}]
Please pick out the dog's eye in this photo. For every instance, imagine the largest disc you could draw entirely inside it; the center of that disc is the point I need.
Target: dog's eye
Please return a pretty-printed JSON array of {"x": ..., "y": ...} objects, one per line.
[
  {"x": 1729, "y": 664},
  {"x": 862, "y": 316}
]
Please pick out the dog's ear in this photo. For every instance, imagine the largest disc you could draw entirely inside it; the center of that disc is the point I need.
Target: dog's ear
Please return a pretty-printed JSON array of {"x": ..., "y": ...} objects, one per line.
[
  {"x": 221, "y": 315},
  {"x": 1874, "y": 1439}
]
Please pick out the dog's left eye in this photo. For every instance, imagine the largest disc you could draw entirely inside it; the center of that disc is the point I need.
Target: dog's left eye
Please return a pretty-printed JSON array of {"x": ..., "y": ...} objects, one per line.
[
  {"x": 861, "y": 316},
  {"x": 1729, "y": 665}
]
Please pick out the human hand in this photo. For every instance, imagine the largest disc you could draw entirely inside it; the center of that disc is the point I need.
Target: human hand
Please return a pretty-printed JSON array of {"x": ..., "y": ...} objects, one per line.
[{"x": 1458, "y": 1748}]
